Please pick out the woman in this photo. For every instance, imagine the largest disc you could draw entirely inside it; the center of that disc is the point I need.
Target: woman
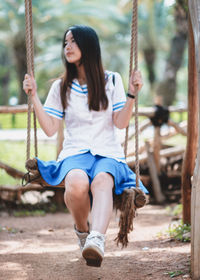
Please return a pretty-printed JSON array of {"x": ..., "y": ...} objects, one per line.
[{"x": 93, "y": 103}]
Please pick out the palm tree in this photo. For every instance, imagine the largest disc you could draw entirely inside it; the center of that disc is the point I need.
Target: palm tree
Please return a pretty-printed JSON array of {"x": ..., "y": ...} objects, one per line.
[
  {"x": 50, "y": 23},
  {"x": 12, "y": 23},
  {"x": 167, "y": 87},
  {"x": 4, "y": 74}
]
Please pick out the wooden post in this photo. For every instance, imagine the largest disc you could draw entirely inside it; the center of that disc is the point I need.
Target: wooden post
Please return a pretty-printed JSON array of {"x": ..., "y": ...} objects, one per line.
[
  {"x": 159, "y": 197},
  {"x": 195, "y": 219},
  {"x": 157, "y": 138},
  {"x": 194, "y": 9},
  {"x": 157, "y": 147},
  {"x": 192, "y": 130}
]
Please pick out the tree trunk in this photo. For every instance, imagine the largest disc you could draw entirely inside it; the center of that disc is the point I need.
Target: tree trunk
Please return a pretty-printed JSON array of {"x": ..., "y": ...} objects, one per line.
[
  {"x": 4, "y": 76},
  {"x": 19, "y": 47},
  {"x": 167, "y": 87},
  {"x": 192, "y": 130},
  {"x": 149, "y": 45},
  {"x": 150, "y": 56}
]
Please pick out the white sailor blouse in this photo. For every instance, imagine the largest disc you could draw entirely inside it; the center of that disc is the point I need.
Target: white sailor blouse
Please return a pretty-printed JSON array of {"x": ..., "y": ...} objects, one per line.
[{"x": 88, "y": 130}]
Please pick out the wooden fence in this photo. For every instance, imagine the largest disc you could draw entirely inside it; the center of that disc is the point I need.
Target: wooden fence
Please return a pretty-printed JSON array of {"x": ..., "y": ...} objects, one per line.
[{"x": 150, "y": 153}]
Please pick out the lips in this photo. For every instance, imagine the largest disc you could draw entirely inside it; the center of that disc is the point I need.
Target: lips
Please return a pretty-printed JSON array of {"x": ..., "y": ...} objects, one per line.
[{"x": 69, "y": 53}]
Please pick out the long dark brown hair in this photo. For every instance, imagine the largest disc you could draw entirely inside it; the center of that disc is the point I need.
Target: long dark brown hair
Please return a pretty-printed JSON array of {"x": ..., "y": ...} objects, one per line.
[{"x": 88, "y": 43}]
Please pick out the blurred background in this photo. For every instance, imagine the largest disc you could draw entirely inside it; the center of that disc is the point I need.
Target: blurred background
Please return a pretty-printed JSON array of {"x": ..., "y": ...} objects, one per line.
[
  {"x": 163, "y": 59},
  {"x": 162, "y": 44}
]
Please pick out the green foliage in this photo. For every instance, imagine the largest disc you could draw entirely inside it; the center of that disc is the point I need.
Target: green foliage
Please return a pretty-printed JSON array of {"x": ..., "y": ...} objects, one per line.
[
  {"x": 14, "y": 154},
  {"x": 27, "y": 213},
  {"x": 178, "y": 117},
  {"x": 9, "y": 121},
  {"x": 183, "y": 3},
  {"x": 176, "y": 273},
  {"x": 179, "y": 231},
  {"x": 112, "y": 21},
  {"x": 10, "y": 230},
  {"x": 175, "y": 211},
  {"x": 180, "y": 139}
]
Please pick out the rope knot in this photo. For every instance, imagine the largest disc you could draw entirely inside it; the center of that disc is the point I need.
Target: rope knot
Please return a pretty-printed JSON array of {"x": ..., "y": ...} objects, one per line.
[{"x": 161, "y": 116}]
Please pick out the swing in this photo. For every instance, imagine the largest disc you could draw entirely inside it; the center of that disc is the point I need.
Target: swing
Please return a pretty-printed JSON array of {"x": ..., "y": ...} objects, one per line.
[{"x": 130, "y": 199}]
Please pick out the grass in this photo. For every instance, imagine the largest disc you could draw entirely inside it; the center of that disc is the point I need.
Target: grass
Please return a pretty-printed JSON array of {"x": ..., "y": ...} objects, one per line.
[
  {"x": 14, "y": 154},
  {"x": 179, "y": 231},
  {"x": 175, "y": 211},
  {"x": 9, "y": 121},
  {"x": 173, "y": 274},
  {"x": 27, "y": 213}
]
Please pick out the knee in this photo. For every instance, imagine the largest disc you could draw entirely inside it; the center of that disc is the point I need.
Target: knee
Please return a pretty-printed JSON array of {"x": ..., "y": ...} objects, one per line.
[
  {"x": 76, "y": 184},
  {"x": 102, "y": 182}
]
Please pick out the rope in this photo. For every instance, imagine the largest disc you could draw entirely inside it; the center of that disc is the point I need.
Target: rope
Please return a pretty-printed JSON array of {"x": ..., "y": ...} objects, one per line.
[
  {"x": 30, "y": 69},
  {"x": 134, "y": 54}
]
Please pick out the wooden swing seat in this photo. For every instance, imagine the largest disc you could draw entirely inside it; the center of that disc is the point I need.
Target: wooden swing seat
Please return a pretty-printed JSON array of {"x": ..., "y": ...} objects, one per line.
[{"x": 34, "y": 176}]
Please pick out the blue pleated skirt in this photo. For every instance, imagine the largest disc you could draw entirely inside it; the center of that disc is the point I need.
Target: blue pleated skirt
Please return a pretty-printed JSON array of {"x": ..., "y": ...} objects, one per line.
[{"x": 54, "y": 172}]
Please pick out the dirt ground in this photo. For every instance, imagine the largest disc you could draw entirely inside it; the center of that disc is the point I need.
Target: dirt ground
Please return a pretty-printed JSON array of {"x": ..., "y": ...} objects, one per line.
[{"x": 45, "y": 248}]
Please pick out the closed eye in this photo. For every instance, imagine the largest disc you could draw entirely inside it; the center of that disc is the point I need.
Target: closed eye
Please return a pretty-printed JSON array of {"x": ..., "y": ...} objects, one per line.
[{"x": 67, "y": 42}]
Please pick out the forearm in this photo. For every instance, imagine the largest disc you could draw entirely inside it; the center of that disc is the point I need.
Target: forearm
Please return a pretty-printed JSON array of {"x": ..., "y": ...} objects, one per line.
[
  {"x": 46, "y": 122},
  {"x": 122, "y": 118}
]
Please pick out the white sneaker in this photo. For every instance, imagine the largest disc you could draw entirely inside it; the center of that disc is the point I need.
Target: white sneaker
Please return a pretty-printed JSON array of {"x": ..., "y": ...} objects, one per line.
[
  {"x": 93, "y": 251},
  {"x": 81, "y": 237}
]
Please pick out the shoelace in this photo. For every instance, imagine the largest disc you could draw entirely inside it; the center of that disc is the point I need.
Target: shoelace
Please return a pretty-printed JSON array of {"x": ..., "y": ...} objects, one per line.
[
  {"x": 97, "y": 239},
  {"x": 82, "y": 241}
]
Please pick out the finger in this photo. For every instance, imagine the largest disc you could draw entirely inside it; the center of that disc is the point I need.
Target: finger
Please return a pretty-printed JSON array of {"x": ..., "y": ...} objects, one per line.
[
  {"x": 137, "y": 80},
  {"x": 25, "y": 83},
  {"x": 138, "y": 83},
  {"x": 32, "y": 75},
  {"x": 138, "y": 76},
  {"x": 133, "y": 74},
  {"x": 137, "y": 73}
]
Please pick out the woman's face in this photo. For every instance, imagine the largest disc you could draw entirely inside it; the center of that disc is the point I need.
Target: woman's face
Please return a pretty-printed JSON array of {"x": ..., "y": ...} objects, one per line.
[{"x": 71, "y": 49}]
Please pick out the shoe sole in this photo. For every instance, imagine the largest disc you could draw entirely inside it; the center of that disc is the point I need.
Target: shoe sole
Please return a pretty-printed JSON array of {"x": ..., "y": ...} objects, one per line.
[{"x": 92, "y": 257}]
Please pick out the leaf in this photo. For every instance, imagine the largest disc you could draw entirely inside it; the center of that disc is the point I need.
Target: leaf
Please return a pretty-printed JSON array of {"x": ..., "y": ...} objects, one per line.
[{"x": 173, "y": 274}]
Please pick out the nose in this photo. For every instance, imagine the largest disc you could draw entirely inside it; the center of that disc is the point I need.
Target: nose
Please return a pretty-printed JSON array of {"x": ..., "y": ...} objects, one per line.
[{"x": 68, "y": 46}]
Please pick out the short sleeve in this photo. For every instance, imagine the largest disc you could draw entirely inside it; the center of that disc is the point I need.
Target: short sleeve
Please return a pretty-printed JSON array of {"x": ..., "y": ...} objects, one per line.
[
  {"x": 53, "y": 105},
  {"x": 119, "y": 96}
]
